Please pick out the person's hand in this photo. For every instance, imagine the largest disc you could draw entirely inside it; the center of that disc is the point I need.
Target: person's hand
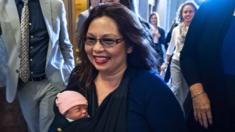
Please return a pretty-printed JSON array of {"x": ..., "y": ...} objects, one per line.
[
  {"x": 163, "y": 67},
  {"x": 202, "y": 109}
]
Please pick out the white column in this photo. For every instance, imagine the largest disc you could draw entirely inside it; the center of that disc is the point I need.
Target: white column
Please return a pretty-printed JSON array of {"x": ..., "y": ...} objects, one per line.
[
  {"x": 162, "y": 10},
  {"x": 143, "y": 9}
]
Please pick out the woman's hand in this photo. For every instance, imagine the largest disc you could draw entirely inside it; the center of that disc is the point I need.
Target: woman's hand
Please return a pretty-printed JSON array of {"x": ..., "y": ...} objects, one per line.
[
  {"x": 163, "y": 68},
  {"x": 201, "y": 105}
]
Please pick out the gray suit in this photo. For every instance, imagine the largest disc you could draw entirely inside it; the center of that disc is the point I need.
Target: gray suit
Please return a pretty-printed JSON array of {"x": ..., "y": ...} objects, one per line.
[
  {"x": 60, "y": 61},
  {"x": 3, "y": 64},
  {"x": 81, "y": 19}
]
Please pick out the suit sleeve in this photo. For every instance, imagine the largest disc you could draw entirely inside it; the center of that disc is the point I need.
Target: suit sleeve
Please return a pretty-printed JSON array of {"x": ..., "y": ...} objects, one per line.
[
  {"x": 162, "y": 37},
  {"x": 0, "y": 29},
  {"x": 188, "y": 58},
  {"x": 171, "y": 46},
  {"x": 81, "y": 21},
  {"x": 65, "y": 44},
  {"x": 3, "y": 62}
]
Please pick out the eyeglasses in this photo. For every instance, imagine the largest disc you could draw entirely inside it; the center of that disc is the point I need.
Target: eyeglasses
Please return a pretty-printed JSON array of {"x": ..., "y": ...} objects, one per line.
[{"x": 106, "y": 42}]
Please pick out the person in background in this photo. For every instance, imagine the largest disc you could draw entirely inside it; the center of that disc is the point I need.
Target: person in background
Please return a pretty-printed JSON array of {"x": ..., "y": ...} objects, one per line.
[
  {"x": 3, "y": 62},
  {"x": 83, "y": 15},
  {"x": 128, "y": 3},
  {"x": 118, "y": 78},
  {"x": 11, "y": 117},
  {"x": 39, "y": 57},
  {"x": 158, "y": 35},
  {"x": 167, "y": 73},
  {"x": 178, "y": 84},
  {"x": 208, "y": 65},
  {"x": 169, "y": 33},
  {"x": 72, "y": 105}
]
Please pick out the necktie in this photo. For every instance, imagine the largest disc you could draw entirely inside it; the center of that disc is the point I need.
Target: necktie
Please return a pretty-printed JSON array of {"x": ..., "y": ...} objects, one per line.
[{"x": 24, "y": 46}]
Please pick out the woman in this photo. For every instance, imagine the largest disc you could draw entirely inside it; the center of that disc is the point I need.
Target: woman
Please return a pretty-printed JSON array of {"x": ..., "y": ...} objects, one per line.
[
  {"x": 208, "y": 64},
  {"x": 158, "y": 35},
  {"x": 178, "y": 84},
  {"x": 116, "y": 76}
]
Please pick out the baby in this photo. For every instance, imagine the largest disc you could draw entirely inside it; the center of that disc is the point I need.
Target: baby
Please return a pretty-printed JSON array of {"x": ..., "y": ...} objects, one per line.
[{"x": 72, "y": 105}]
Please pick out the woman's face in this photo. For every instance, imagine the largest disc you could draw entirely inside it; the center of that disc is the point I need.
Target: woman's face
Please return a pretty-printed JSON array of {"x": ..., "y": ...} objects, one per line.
[
  {"x": 153, "y": 20},
  {"x": 105, "y": 47},
  {"x": 188, "y": 13}
]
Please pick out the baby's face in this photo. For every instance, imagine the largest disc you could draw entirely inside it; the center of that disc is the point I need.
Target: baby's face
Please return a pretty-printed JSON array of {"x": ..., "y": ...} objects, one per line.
[{"x": 77, "y": 112}]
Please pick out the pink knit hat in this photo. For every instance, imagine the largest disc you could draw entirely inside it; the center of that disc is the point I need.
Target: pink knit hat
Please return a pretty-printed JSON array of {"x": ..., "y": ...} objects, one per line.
[{"x": 69, "y": 99}]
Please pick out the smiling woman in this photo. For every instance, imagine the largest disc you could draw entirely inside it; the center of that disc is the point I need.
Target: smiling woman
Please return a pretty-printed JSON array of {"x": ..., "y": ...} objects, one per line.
[
  {"x": 178, "y": 85},
  {"x": 110, "y": 56},
  {"x": 117, "y": 76}
]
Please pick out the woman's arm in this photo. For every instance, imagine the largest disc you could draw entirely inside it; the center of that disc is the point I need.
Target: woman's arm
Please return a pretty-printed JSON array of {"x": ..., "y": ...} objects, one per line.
[
  {"x": 152, "y": 107},
  {"x": 189, "y": 65}
]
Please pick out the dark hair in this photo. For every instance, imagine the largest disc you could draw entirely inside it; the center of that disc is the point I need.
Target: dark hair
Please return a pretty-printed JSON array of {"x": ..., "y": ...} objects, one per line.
[
  {"x": 143, "y": 55},
  {"x": 154, "y": 14},
  {"x": 180, "y": 9}
]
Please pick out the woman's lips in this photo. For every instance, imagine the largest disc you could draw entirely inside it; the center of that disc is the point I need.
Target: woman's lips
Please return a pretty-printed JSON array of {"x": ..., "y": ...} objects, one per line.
[{"x": 101, "y": 59}]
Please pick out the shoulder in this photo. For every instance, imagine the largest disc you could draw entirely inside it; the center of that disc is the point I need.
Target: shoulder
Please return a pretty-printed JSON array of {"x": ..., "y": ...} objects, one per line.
[
  {"x": 57, "y": 1},
  {"x": 83, "y": 15},
  {"x": 58, "y": 4},
  {"x": 215, "y": 8},
  {"x": 148, "y": 83},
  {"x": 176, "y": 29},
  {"x": 161, "y": 29}
]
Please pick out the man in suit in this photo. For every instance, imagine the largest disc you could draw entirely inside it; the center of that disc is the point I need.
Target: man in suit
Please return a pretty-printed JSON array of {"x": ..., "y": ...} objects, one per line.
[
  {"x": 208, "y": 64},
  {"x": 50, "y": 57},
  {"x": 84, "y": 15}
]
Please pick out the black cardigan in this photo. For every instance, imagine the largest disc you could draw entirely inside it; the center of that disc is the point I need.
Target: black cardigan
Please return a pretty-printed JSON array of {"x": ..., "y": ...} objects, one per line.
[{"x": 201, "y": 59}]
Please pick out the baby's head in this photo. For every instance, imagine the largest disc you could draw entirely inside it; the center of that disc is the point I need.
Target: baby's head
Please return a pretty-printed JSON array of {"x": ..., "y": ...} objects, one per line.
[{"x": 72, "y": 102}]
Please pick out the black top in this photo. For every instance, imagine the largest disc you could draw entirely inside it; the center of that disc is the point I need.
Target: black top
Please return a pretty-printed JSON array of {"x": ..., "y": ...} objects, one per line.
[
  {"x": 142, "y": 103},
  {"x": 39, "y": 38},
  {"x": 201, "y": 62}
]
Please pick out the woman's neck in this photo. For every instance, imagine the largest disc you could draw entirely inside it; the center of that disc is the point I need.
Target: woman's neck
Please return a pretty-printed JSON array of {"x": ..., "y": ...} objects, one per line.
[
  {"x": 111, "y": 78},
  {"x": 186, "y": 24},
  {"x": 155, "y": 25}
]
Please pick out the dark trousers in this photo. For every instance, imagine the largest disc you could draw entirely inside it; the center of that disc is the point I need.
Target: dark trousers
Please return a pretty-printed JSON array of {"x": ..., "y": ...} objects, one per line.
[
  {"x": 230, "y": 85},
  {"x": 11, "y": 117},
  {"x": 225, "y": 117}
]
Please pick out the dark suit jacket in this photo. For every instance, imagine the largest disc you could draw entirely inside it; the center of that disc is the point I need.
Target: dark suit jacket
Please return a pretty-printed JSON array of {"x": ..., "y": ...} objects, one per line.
[
  {"x": 162, "y": 37},
  {"x": 81, "y": 20},
  {"x": 201, "y": 60}
]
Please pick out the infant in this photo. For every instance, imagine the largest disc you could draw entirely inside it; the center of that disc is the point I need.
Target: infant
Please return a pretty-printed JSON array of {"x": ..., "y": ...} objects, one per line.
[{"x": 72, "y": 105}]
